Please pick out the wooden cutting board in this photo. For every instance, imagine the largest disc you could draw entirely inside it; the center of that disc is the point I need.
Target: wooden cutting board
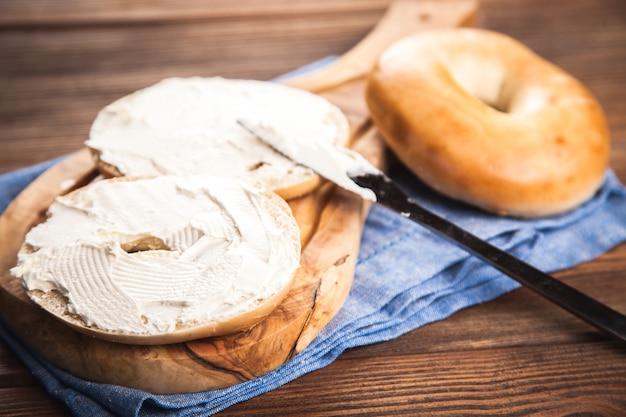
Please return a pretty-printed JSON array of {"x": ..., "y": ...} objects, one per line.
[{"x": 331, "y": 222}]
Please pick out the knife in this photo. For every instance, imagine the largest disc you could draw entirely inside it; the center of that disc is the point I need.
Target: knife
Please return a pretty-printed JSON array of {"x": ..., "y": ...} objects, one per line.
[{"x": 350, "y": 170}]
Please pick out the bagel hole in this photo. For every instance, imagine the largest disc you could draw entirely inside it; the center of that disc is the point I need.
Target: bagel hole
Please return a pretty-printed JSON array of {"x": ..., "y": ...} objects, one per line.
[
  {"x": 497, "y": 105},
  {"x": 144, "y": 244},
  {"x": 486, "y": 81},
  {"x": 496, "y": 98},
  {"x": 503, "y": 99}
]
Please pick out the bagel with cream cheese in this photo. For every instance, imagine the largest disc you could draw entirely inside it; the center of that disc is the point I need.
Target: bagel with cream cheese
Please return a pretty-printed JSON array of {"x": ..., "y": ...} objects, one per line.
[
  {"x": 483, "y": 119},
  {"x": 163, "y": 259},
  {"x": 185, "y": 126}
]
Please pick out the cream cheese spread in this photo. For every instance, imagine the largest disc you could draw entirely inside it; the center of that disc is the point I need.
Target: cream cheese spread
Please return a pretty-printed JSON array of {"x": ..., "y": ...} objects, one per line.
[
  {"x": 149, "y": 256},
  {"x": 187, "y": 126},
  {"x": 333, "y": 162}
]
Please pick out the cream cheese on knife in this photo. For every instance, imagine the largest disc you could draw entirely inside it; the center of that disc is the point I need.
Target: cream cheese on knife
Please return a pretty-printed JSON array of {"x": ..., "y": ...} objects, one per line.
[{"x": 333, "y": 162}]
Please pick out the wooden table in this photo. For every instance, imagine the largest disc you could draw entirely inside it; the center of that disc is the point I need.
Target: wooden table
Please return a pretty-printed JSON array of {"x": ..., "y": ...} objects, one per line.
[{"x": 60, "y": 62}]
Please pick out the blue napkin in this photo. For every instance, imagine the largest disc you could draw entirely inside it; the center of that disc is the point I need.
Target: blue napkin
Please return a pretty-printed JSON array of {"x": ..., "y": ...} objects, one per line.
[{"x": 418, "y": 278}]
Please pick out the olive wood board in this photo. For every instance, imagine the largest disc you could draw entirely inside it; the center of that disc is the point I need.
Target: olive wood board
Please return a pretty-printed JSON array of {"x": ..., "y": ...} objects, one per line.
[{"x": 331, "y": 222}]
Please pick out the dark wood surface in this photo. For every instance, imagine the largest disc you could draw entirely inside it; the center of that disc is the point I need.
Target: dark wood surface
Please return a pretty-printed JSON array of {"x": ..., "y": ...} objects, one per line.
[{"x": 60, "y": 62}]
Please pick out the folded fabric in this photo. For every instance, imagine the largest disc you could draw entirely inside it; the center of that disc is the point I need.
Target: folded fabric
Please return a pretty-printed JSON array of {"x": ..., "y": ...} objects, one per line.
[{"x": 417, "y": 277}]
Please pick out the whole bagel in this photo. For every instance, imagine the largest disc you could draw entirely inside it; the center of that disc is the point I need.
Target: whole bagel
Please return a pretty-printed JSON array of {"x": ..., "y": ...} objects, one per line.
[{"x": 483, "y": 119}]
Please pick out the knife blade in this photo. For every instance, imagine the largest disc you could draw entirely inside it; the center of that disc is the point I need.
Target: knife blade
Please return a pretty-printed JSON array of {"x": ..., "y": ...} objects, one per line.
[{"x": 352, "y": 171}]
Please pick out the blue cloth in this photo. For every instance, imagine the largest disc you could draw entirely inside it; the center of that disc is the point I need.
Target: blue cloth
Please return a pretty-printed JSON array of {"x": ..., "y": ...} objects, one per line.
[{"x": 418, "y": 278}]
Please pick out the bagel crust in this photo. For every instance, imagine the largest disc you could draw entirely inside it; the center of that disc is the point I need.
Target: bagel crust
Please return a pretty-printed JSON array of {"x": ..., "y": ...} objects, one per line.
[{"x": 481, "y": 118}]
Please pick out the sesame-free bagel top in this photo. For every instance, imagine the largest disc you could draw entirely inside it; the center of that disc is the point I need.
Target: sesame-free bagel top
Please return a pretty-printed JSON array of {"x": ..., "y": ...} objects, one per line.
[{"x": 483, "y": 119}]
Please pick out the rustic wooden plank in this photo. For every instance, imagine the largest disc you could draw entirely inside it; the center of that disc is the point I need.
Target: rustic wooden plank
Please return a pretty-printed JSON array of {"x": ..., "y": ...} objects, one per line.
[
  {"x": 28, "y": 402},
  {"x": 74, "y": 12},
  {"x": 12, "y": 371},
  {"x": 522, "y": 381}
]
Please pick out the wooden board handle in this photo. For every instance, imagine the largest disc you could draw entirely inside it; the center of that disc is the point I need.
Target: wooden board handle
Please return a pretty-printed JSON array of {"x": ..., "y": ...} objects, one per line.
[{"x": 402, "y": 18}]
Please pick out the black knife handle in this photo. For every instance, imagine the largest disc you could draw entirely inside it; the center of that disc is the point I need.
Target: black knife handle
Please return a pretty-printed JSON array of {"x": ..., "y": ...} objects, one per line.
[{"x": 586, "y": 308}]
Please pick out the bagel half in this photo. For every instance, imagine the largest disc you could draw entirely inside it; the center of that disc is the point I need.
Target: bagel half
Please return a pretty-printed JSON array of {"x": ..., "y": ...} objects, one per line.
[
  {"x": 188, "y": 126},
  {"x": 163, "y": 259}
]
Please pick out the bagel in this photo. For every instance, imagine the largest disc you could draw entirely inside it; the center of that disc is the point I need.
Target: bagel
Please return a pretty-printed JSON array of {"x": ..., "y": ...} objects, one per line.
[
  {"x": 186, "y": 126},
  {"x": 481, "y": 118},
  {"x": 163, "y": 259}
]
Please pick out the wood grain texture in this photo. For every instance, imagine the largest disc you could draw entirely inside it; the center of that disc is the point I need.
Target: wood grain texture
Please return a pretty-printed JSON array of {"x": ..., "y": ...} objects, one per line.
[
  {"x": 487, "y": 387},
  {"x": 513, "y": 356},
  {"x": 71, "y": 12}
]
